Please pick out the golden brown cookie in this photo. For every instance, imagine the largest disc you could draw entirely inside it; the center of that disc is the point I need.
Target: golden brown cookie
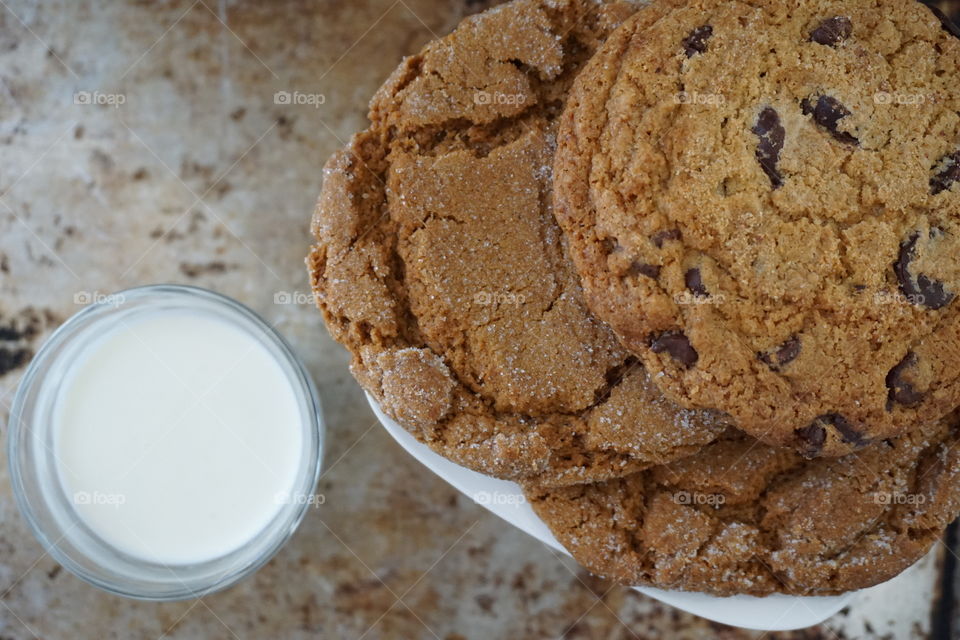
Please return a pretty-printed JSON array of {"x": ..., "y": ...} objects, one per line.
[
  {"x": 740, "y": 517},
  {"x": 763, "y": 200},
  {"x": 439, "y": 264}
]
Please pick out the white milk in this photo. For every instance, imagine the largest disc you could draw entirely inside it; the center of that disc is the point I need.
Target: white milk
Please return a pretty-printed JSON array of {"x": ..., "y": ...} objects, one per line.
[{"x": 177, "y": 434}]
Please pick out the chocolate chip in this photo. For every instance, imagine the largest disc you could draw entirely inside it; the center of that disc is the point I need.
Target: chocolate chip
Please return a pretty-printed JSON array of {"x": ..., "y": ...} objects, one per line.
[
  {"x": 782, "y": 355},
  {"x": 812, "y": 438},
  {"x": 950, "y": 173},
  {"x": 695, "y": 283},
  {"x": 678, "y": 346},
  {"x": 948, "y": 25},
  {"x": 901, "y": 390},
  {"x": 920, "y": 289},
  {"x": 696, "y": 42},
  {"x": 814, "y": 435},
  {"x": 771, "y": 134},
  {"x": 644, "y": 269},
  {"x": 846, "y": 430},
  {"x": 828, "y": 112},
  {"x": 832, "y": 31},
  {"x": 662, "y": 236}
]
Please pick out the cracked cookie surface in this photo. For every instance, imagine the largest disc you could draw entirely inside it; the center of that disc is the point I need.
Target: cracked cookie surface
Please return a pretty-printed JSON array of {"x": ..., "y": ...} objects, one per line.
[
  {"x": 439, "y": 264},
  {"x": 763, "y": 201},
  {"x": 740, "y": 517}
]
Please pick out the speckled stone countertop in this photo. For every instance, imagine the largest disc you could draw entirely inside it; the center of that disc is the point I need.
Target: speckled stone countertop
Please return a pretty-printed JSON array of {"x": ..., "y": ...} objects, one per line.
[{"x": 145, "y": 142}]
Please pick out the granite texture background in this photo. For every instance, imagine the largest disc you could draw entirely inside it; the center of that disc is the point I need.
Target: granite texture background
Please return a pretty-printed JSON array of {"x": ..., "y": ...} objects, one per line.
[{"x": 141, "y": 142}]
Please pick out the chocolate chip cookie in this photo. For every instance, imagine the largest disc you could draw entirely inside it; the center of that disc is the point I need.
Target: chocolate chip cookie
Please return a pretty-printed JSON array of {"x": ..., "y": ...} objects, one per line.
[
  {"x": 439, "y": 265},
  {"x": 763, "y": 200},
  {"x": 740, "y": 517}
]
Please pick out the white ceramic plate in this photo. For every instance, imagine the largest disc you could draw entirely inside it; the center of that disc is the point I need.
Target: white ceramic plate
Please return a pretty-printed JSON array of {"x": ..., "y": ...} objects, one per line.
[{"x": 505, "y": 499}]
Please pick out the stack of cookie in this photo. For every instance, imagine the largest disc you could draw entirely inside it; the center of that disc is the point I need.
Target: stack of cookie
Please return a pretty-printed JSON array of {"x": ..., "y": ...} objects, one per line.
[{"x": 685, "y": 270}]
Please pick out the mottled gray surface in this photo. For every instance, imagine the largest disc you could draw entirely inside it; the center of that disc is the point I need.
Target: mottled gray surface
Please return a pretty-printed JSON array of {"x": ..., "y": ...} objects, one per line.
[{"x": 200, "y": 177}]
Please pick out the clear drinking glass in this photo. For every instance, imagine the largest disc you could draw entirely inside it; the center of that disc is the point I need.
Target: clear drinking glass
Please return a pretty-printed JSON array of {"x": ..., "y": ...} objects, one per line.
[{"x": 51, "y": 513}]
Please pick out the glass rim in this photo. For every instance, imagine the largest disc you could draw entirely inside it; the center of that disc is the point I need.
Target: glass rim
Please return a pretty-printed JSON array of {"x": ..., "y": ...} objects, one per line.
[{"x": 290, "y": 516}]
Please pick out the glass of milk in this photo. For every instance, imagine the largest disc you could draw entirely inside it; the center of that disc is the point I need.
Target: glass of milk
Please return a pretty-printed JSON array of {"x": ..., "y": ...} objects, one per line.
[{"x": 164, "y": 443}]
